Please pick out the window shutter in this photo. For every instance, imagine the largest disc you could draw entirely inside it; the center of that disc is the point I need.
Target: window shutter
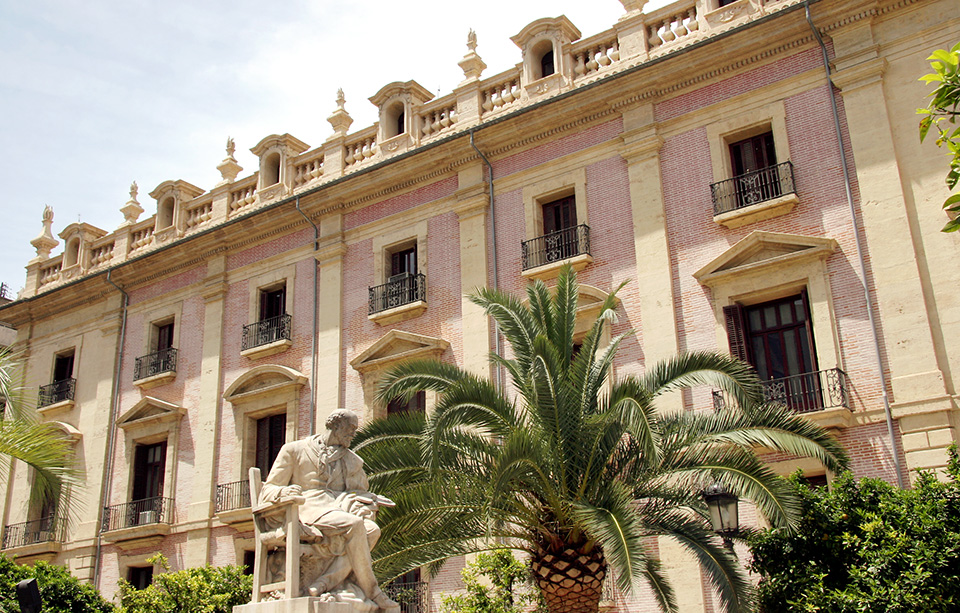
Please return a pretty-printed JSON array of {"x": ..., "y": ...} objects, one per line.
[{"x": 736, "y": 331}]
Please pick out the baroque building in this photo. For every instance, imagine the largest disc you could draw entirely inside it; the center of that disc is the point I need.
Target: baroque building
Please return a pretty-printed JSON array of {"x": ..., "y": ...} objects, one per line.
[{"x": 751, "y": 167}]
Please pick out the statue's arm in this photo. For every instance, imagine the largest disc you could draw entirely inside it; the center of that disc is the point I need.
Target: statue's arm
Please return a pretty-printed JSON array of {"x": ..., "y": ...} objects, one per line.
[{"x": 278, "y": 481}]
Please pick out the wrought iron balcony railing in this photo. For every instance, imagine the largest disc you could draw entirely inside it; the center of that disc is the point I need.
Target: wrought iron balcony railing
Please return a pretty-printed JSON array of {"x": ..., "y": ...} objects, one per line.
[
  {"x": 401, "y": 290},
  {"x": 410, "y": 595},
  {"x": 46, "y": 530},
  {"x": 58, "y": 391},
  {"x": 805, "y": 393},
  {"x": 231, "y": 496},
  {"x": 137, "y": 513},
  {"x": 266, "y": 331},
  {"x": 752, "y": 188},
  {"x": 556, "y": 246},
  {"x": 155, "y": 363}
]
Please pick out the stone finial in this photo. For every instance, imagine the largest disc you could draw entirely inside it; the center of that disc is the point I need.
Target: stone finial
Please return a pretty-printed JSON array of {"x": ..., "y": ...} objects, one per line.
[
  {"x": 132, "y": 209},
  {"x": 633, "y": 6},
  {"x": 471, "y": 63},
  {"x": 45, "y": 242},
  {"x": 340, "y": 119},
  {"x": 229, "y": 168}
]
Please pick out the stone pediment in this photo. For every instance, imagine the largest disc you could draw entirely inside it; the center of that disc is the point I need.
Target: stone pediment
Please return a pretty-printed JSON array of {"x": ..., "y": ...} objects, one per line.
[
  {"x": 397, "y": 345},
  {"x": 150, "y": 411},
  {"x": 763, "y": 252},
  {"x": 266, "y": 379}
]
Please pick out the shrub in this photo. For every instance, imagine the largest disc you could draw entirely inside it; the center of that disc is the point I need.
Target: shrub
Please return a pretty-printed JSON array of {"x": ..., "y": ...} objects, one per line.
[
  {"x": 60, "y": 591},
  {"x": 506, "y": 587},
  {"x": 207, "y": 589}
]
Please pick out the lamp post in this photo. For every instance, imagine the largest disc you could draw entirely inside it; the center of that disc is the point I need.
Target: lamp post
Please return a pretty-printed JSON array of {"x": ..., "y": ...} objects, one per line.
[{"x": 724, "y": 512}]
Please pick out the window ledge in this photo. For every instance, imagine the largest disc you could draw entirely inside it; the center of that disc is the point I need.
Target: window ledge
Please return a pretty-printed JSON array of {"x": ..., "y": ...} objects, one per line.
[
  {"x": 156, "y": 380},
  {"x": 137, "y": 537},
  {"x": 400, "y": 313},
  {"x": 552, "y": 270},
  {"x": 236, "y": 516},
  {"x": 753, "y": 213},
  {"x": 262, "y": 351},
  {"x": 57, "y": 407},
  {"x": 839, "y": 418}
]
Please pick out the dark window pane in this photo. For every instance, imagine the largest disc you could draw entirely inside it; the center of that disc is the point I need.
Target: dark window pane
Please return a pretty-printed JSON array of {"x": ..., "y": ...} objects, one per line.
[
  {"x": 559, "y": 215},
  {"x": 271, "y": 434},
  {"x": 148, "y": 470},
  {"x": 140, "y": 576},
  {"x": 417, "y": 404},
  {"x": 546, "y": 64},
  {"x": 273, "y": 303},
  {"x": 165, "y": 336},
  {"x": 63, "y": 367}
]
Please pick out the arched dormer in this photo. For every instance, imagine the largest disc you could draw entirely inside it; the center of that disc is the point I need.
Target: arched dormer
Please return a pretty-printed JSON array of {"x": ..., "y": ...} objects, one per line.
[
  {"x": 398, "y": 104},
  {"x": 172, "y": 197},
  {"x": 78, "y": 237},
  {"x": 276, "y": 154},
  {"x": 546, "y": 65},
  {"x": 71, "y": 255}
]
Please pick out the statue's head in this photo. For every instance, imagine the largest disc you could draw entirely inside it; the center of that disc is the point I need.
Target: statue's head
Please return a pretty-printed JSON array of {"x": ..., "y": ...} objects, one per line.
[{"x": 342, "y": 425}]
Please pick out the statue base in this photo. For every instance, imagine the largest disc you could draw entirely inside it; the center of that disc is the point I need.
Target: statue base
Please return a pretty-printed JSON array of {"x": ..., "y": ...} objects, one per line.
[{"x": 310, "y": 605}]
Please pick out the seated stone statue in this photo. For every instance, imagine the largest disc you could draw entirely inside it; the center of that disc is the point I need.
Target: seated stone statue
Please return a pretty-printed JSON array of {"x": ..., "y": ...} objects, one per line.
[{"x": 337, "y": 513}]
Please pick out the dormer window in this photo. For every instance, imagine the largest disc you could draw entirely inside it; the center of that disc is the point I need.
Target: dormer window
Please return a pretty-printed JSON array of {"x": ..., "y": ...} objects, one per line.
[
  {"x": 271, "y": 170},
  {"x": 165, "y": 213},
  {"x": 546, "y": 64},
  {"x": 72, "y": 253},
  {"x": 395, "y": 120}
]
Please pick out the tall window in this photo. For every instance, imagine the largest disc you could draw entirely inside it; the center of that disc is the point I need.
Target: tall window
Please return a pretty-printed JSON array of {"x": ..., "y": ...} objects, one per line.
[
  {"x": 271, "y": 434},
  {"x": 754, "y": 153},
  {"x": 63, "y": 366},
  {"x": 417, "y": 404},
  {"x": 559, "y": 215},
  {"x": 148, "y": 468},
  {"x": 546, "y": 64},
  {"x": 164, "y": 336},
  {"x": 403, "y": 262},
  {"x": 273, "y": 303}
]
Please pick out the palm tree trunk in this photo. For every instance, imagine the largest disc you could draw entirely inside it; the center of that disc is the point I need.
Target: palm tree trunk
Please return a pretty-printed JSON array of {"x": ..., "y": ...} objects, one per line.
[{"x": 570, "y": 580}]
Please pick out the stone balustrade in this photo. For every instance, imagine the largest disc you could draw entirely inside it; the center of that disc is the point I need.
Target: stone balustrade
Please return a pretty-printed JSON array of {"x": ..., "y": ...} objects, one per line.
[{"x": 636, "y": 38}]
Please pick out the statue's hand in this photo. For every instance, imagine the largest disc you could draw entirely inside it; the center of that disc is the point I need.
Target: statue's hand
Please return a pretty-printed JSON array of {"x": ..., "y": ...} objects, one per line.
[{"x": 290, "y": 491}]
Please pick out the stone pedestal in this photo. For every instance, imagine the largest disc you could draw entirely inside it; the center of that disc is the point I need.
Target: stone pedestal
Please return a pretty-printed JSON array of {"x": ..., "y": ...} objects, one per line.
[{"x": 309, "y": 605}]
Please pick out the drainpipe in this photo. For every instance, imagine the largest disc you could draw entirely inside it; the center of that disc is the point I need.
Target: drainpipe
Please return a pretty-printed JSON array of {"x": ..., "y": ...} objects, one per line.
[
  {"x": 493, "y": 243},
  {"x": 860, "y": 251},
  {"x": 313, "y": 338},
  {"x": 111, "y": 434}
]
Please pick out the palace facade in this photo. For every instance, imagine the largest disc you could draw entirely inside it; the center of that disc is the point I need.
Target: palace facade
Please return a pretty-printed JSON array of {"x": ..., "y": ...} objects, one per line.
[{"x": 751, "y": 167}]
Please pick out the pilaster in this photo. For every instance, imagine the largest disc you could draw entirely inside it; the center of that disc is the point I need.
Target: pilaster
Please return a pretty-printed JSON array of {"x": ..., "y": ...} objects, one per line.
[
  {"x": 887, "y": 225},
  {"x": 473, "y": 201},
  {"x": 330, "y": 315},
  {"x": 205, "y": 425}
]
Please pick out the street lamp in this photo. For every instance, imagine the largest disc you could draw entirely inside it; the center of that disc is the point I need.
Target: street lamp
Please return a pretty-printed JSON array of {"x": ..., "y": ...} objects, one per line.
[{"x": 724, "y": 512}]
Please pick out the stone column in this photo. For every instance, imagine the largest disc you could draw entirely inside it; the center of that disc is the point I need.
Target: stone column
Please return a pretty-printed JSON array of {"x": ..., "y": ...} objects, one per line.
[
  {"x": 472, "y": 207},
  {"x": 920, "y": 400},
  {"x": 329, "y": 330},
  {"x": 205, "y": 427}
]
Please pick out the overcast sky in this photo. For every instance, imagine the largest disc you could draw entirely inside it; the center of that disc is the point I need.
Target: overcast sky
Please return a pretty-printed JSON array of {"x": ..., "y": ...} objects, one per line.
[{"x": 96, "y": 94}]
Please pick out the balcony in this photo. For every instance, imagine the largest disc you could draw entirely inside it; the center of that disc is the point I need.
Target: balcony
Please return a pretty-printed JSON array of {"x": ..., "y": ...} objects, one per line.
[
  {"x": 155, "y": 368},
  {"x": 266, "y": 337},
  {"x": 57, "y": 394},
  {"x": 412, "y": 596},
  {"x": 754, "y": 196},
  {"x": 543, "y": 256},
  {"x": 140, "y": 523},
  {"x": 40, "y": 537},
  {"x": 402, "y": 297},
  {"x": 232, "y": 503},
  {"x": 807, "y": 393}
]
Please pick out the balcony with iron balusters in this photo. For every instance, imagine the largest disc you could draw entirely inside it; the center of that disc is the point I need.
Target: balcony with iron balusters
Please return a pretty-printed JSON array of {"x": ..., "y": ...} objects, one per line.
[
  {"x": 403, "y": 297},
  {"x": 140, "y": 523},
  {"x": 39, "y": 539},
  {"x": 57, "y": 396},
  {"x": 232, "y": 504},
  {"x": 754, "y": 196},
  {"x": 267, "y": 337},
  {"x": 822, "y": 395},
  {"x": 155, "y": 368},
  {"x": 412, "y": 596},
  {"x": 543, "y": 256}
]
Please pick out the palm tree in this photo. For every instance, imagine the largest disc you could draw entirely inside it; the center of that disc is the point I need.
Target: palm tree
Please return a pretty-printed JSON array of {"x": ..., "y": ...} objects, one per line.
[
  {"x": 572, "y": 469},
  {"x": 40, "y": 445}
]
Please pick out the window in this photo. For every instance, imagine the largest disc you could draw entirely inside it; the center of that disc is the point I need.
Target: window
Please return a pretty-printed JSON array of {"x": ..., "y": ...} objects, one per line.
[
  {"x": 417, "y": 404},
  {"x": 165, "y": 213},
  {"x": 140, "y": 577},
  {"x": 164, "y": 334},
  {"x": 403, "y": 262},
  {"x": 273, "y": 303},
  {"x": 249, "y": 558},
  {"x": 71, "y": 256},
  {"x": 562, "y": 238},
  {"x": 148, "y": 468},
  {"x": 63, "y": 366},
  {"x": 271, "y": 434},
  {"x": 271, "y": 170},
  {"x": 555, "y": 224},
  {"x": 546, "y": 64},
  {"x": 559, "y": 215}
]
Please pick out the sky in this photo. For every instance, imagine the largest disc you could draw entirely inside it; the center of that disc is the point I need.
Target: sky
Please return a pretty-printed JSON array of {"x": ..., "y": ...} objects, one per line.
[{"x": 95, "y": 94}]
